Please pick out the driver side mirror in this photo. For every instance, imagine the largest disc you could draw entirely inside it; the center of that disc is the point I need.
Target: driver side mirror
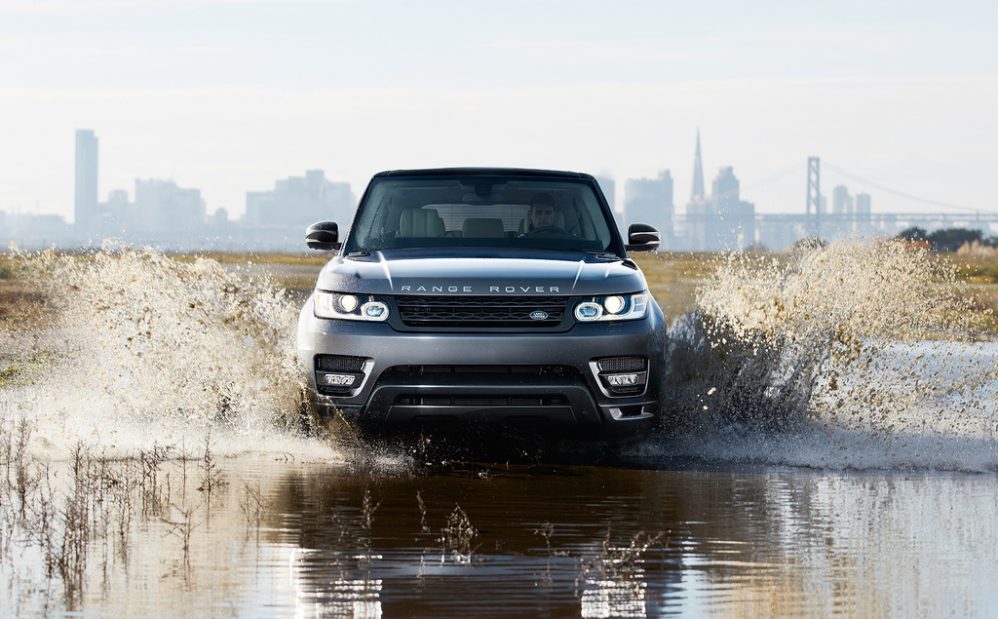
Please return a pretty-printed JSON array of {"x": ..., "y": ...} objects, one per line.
[
  {"x": 642, "y": 237},
  {"x": 323, "y": 236}
]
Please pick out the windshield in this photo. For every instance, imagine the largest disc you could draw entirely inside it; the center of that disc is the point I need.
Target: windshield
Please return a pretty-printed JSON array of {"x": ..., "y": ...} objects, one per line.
[{"x": 481, "y": 211}]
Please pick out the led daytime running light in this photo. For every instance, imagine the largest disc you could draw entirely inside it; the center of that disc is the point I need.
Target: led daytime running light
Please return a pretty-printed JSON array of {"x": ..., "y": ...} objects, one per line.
[
  {"x": 337, "y": 306},
  {"x": 597, "y": 309}
]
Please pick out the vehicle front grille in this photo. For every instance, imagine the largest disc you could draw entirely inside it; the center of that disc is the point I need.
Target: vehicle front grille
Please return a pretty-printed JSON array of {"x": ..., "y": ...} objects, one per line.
[
  {"x": 499, "y": 376},
  {"x": 460, "y": 311}
]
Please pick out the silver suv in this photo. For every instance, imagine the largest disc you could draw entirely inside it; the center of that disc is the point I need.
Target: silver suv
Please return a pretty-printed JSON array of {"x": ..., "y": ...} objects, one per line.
[{"x": 491, "y": 296}]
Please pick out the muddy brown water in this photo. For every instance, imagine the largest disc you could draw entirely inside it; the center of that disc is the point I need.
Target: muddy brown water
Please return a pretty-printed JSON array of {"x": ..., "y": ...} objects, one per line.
[{"x": 673, "y": 538}]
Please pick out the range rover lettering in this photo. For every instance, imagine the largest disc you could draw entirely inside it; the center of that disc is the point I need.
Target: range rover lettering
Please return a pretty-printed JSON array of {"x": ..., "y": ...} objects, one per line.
[{"x": 484, "y": 296}]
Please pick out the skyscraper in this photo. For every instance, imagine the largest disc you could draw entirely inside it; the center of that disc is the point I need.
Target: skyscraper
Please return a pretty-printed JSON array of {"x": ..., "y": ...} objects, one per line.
[
  {"x": 863, "y": 209},
  {"x": 649, "y": 201},
  {"x": 164, "y": 210},
  {"x": 85, "y": 202},
  {"x": 298, "y": 201},
  {"x": 697, "y": 195},
  {"x": 734, "y": 227},
  {"x": 723, "y": 221},
  {"x": 841, "y": 201}
]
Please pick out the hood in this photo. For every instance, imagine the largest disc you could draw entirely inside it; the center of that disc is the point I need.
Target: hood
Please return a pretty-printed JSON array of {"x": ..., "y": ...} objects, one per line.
[{"x": 381, "y": 274}]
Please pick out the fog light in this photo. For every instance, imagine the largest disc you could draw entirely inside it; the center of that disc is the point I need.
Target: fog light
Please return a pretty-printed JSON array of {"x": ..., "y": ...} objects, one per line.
[
  {"x": 336, "y": 380},
  {"x": 621, "y": 376},
  {"x": 624, "y": 380}
]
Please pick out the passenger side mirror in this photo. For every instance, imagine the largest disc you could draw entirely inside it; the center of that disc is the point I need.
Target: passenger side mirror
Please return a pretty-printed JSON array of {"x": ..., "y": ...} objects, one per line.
[
  {"x": 642, "y": 237},
  {"x": 323, "y": 235}
]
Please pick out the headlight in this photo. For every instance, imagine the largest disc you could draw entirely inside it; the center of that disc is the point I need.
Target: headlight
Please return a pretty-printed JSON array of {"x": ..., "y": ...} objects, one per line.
[
  {"x": 339, "y": 306},
  {"x": 612, "y": 307}
]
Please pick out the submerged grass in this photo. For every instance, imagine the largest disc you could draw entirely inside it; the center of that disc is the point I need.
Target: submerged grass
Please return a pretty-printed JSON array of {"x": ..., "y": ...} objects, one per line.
[
  {"x": 457, "y": 538},
  {"x": 89, "y": 518},
  {"x": 87, "y": 509}
]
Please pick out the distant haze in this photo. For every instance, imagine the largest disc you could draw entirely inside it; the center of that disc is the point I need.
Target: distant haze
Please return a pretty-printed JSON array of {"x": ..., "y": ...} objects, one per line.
[{"x": 228, "y": 96}]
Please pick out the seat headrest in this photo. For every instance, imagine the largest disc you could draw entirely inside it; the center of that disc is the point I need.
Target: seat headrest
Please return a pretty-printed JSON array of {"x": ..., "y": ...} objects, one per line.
[
  {"x": 483, "y": 228},
  {"x": 421, "y": 222}
]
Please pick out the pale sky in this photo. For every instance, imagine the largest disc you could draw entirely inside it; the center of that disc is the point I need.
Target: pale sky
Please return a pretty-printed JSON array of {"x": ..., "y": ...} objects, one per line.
[{"x": 230, "y": 95}]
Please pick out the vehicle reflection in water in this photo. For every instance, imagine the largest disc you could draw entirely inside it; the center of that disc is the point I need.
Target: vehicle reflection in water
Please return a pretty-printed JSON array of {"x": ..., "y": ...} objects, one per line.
[
  {"x": 634, "y": 543},
  {"x": 543, "y": 540}
]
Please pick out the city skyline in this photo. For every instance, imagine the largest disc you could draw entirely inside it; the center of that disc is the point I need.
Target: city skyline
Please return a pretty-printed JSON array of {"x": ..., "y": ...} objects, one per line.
[
  {"x": 87, "y": 188},
  {"x": 168, "y": 216},
  {"x": 790, "y": 174},
  {"x": 903, "y": 97}
]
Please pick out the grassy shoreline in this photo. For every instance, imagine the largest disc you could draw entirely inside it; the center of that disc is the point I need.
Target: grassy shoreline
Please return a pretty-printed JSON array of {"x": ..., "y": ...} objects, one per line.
[{"x": 673, "y": 278}]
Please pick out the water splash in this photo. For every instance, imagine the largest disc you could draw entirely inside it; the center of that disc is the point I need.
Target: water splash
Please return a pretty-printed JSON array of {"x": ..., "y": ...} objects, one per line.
[
  {"x": 143, "y": 348},
  {"x": 848, "y": 355}
]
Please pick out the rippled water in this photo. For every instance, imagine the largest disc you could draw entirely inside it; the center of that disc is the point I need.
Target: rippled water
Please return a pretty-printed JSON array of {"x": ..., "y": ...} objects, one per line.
[
  {"x": 552, "y": 540},
  {"x": 831, "y": 448}
]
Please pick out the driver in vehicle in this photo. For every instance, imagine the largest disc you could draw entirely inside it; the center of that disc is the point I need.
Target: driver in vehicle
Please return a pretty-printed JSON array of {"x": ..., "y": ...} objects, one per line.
[{"x": 543, "y": 212}]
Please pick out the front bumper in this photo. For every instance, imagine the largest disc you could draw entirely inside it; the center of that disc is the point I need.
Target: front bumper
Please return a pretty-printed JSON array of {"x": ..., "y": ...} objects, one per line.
[{"x": 466, "y": 376}]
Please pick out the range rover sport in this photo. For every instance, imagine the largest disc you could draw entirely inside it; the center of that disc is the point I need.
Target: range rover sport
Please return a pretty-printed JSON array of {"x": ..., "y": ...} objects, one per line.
[{"x": 487, "y": 296}]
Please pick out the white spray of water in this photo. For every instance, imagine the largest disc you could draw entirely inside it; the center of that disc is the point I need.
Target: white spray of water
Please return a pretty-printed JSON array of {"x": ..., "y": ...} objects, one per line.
[
  {"x": 851, "y": 355},
  {"x": 145, "y": 349}
]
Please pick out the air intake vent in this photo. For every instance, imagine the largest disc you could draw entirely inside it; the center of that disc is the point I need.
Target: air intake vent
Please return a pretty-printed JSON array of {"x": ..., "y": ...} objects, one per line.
[
  {"x": 416, "y": 399},
  {"x": 339, "y": 363},
  {"x": 622, "y": 364}
]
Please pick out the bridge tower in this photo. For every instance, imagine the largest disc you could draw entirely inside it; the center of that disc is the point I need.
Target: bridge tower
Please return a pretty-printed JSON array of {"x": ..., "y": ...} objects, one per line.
[{"x": 814, "y": 195}]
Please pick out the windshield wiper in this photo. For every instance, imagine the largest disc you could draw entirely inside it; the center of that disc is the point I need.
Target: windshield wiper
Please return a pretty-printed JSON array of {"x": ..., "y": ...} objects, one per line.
[{"x": 603, "y": 254}]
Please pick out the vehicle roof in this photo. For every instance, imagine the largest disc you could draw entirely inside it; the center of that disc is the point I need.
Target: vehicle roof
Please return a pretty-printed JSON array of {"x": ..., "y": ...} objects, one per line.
[{"x": 484, "y": 171}]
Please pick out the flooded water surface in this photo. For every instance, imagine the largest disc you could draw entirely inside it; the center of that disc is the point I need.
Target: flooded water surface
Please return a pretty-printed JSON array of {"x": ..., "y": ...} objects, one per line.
[{"x": 289, "y": 539}]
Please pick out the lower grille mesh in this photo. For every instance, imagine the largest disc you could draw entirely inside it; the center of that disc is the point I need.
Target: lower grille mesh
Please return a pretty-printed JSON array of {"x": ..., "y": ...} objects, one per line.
[{"x": 416, "y": 399}]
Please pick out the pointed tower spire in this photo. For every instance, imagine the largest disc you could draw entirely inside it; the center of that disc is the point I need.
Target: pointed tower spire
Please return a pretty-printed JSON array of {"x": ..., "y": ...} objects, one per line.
[{"x": 697, "y": 174}]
